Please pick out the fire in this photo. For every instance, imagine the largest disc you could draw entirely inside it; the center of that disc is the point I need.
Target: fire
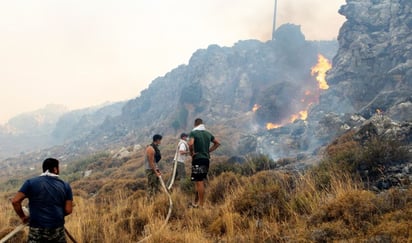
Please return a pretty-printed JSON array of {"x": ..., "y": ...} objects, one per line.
[
  {"x": 255, "y": 107},
  {"x": 303, "y": 114},
  {"x": 308, "y": 97},
  {"x": 300, "y": 115},
  {"x": 272, "y": 125},
  {"x": 320, "y": 70}
]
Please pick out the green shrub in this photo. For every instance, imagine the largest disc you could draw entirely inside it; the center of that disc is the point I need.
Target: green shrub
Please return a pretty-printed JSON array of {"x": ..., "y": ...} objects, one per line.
[
  {"x": 378, "y": 153},
  {"x": 217, "y": 169},
  {"x": 257, "y": 162}
]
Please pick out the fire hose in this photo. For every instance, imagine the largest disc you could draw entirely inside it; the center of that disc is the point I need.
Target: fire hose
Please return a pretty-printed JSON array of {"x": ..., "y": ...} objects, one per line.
[
  {"x": 12, "y": 233},
  {"x": 21, "y": 227},
  {"x": 168, "y": 214},
  {"x": 172, "y": 180}
]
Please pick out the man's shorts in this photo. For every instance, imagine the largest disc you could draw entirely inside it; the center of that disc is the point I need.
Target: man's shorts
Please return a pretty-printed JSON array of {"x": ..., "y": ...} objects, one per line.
[
  {"x": 200, "y": 168},
  {"x": 47, "y": 235},
  {"x": 180, "y": 171}
]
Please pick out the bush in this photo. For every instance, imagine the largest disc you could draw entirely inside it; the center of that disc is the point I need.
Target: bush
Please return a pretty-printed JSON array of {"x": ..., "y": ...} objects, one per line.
[
  {"x": 343, "y": 152},
  {"x": 356, "y": 209},
  {"x": 217, "y": 169},
  {"x": 222, "y": 186},
  {"x": 264, "y": 195},
  {"x": 367, "y": 158},
  {"x": 257, "y": 162},
  {"x": 377, "y": 154}
]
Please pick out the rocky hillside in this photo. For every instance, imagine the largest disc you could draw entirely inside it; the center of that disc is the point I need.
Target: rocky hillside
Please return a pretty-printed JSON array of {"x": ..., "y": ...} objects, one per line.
[
  {"x": 264, "y": 97},
  {"x": 373, "y": 67},
  {"x": 50, "y": 126},
  {"x": 257, "y": 95},
  {"x": 29, "y": 131},
  {"x": 223, "y": 85},
  {"x": 371, "y": 73}
]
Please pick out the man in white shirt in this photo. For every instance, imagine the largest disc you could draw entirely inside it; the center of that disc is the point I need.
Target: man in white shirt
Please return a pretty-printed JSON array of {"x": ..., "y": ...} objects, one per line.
[{"x": 182, "y": 152}]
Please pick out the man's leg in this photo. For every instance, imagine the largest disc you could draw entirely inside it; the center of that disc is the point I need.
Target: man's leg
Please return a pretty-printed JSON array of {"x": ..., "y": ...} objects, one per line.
[
  {"x": 200, "y": 188},
  {"x": 152, "y": 184}
]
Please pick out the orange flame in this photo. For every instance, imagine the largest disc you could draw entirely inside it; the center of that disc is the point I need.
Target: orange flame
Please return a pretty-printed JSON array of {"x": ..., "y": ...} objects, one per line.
[
  {"x": 255, "y": 107},
  {"x": 300, "y": 115},
  {"x": 320, "y": 69},
  {"x": 270, "y": 125},
  {"x": 310, "y": 96},
  {"x": 303, "y": 114}
]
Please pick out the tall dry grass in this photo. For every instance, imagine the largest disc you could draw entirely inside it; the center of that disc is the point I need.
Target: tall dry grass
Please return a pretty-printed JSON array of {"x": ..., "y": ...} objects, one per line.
[{"x": 268, "y": 206}]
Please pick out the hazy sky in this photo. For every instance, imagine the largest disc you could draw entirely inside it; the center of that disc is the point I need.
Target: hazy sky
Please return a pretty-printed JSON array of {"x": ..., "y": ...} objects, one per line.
[{"x": 81, "y": 53}]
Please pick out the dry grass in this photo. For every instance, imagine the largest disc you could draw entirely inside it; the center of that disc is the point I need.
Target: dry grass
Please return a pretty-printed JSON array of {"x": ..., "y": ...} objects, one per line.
[{"x": 268, "y": 206}]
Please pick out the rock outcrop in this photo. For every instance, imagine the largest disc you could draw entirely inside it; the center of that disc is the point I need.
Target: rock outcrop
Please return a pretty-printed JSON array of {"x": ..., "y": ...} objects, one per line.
[
  {"x": 373, "y": 67},
  {"x": 371, "y": 74}
]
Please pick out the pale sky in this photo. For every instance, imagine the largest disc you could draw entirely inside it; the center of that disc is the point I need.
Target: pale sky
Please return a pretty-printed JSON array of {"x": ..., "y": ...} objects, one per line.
[{"x": 81, "y": 53}]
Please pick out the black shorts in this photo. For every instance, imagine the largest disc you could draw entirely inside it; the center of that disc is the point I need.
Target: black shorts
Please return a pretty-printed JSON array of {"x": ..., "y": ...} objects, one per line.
[{"x": 200, "y": 168}]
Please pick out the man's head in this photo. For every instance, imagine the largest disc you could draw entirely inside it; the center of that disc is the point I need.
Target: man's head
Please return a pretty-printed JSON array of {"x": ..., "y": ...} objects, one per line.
[
  {"x": 183, "y": 136},
  {"x": 157, "y": 138},
  {"x": 52, "y": 165},
  {"x": 198, "y": 121}
]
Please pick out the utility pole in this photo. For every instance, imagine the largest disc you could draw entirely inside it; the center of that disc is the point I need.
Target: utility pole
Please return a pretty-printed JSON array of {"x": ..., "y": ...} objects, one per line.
[{"x": 274, "y": 20}]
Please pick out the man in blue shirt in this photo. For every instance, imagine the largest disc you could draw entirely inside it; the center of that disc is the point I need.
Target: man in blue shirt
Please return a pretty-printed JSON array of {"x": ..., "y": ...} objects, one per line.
[{"x": 50, "y": 200}]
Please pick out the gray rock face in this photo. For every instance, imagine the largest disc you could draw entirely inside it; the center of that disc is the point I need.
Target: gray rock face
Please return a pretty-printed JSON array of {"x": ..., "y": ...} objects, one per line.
[
  {"x": 371, "y": 74},
  {"x": 222, "y": 85},
  {"x": 374, "y": 58}
]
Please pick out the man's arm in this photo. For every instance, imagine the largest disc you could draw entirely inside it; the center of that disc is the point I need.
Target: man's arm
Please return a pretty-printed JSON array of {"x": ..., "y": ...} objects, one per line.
[
  {"x": 191, "y": 148},
  {"x": 150, "y": 153},
  {"x": 68, "y": 207},
  {"x": 215, "y": 145},
  {"x": 183, "y": 149},
  {"x": 16, "y": 202}
]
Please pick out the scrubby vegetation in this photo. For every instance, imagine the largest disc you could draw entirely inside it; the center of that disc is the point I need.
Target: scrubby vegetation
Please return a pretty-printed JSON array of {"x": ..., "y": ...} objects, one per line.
[{"x": 247, "y": 201}]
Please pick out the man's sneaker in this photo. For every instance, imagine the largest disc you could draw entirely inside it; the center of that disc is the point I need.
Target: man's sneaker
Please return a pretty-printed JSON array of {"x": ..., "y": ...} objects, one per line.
[{"x": 192, "y": 205}]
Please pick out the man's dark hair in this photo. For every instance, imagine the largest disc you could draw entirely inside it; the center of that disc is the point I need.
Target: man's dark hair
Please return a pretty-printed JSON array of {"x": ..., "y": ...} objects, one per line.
[
  {"x": 157, "y": 137},
  {"x": 49, "y": 164},
  {"x": 198, "y": 121}
]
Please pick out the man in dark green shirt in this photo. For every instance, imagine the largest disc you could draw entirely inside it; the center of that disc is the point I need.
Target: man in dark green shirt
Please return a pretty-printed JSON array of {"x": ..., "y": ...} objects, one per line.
[{"x": 200, "y": 149}]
